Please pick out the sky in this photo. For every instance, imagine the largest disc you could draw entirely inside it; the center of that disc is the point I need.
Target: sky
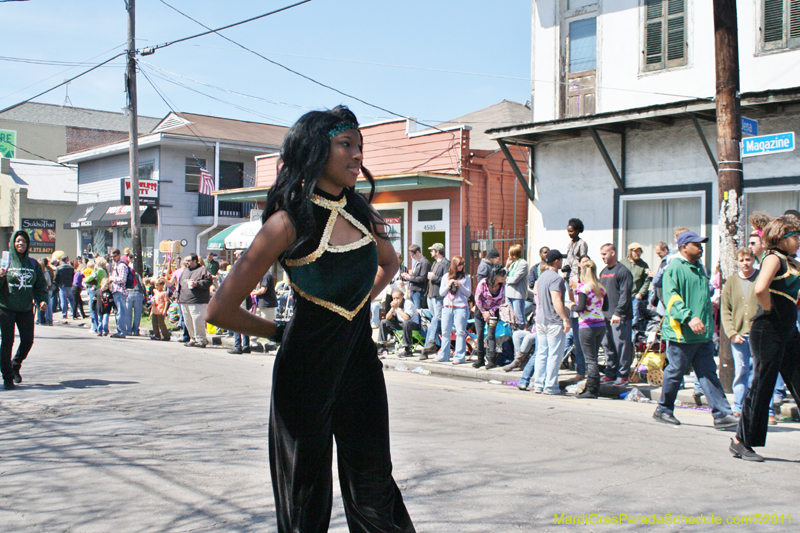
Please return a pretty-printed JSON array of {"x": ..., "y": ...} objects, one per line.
[{"x": 433, "y": 60}]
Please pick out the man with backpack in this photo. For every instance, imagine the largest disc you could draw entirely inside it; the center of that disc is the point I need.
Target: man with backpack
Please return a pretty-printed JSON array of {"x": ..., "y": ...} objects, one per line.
[
  {"x": 120, "y": 276},
  {"x": 64, "y": 275},
  {"x": 136, "y": 297}
]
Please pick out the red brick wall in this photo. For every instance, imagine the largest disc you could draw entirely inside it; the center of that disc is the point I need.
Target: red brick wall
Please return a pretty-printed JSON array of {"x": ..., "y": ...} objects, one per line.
[{"x": 83, "y": 138}]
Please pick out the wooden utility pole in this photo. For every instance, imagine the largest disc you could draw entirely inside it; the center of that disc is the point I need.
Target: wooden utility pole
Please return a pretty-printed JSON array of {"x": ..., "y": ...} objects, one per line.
[
  {"x": 732, "y": 217},
  {"x": 133, "y": 129}
]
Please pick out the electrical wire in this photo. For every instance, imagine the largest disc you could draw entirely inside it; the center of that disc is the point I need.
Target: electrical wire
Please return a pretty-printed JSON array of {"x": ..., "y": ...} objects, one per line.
[
  {"x": 63, "y": 83},
  {"x": 205, "y": 140},
  {"x": 58, "y": 74},
  {"x": 241, "y": 108},
  {"x": 170, "y": 43},
  {"x": 312, "y": 80},
  {"x": 72, "y": 168}
]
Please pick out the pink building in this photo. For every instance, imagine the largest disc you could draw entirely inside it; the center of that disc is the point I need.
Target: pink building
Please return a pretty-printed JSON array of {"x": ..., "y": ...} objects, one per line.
[{"x": 430, "y": 184}]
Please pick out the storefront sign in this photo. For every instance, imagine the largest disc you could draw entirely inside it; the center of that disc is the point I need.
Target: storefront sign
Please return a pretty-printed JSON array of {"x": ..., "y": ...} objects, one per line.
[
  {"x": 148, "y": 192},
  {"x": 42, "y": 233},
  {"x": 8, "y": 143}
]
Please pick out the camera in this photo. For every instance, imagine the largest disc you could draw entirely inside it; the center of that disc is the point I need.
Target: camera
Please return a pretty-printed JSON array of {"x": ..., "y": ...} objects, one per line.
[{"x": 453, "y": 289}]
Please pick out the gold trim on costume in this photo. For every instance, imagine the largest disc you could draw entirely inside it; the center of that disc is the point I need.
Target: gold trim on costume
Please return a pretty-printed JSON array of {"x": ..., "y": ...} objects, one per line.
[
  {"x": 338, "y": 309},
  {"x": 779, "y": 293},
  {"x": 336, "y": 208}
]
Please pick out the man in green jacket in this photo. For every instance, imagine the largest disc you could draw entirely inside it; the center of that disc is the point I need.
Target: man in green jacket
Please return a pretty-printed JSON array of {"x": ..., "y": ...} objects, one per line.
[
  {"x": 21, "y": 282},
  {"x": 688, "y": 329}
]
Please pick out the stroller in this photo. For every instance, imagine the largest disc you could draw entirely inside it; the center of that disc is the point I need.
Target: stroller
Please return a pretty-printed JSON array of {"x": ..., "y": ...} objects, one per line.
[{"x": 650, "y": 351}]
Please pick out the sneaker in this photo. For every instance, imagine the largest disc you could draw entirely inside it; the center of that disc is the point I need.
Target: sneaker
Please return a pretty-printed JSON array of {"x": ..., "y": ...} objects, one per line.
[
  {"x": 665, "y": 418},
  {"x": 772, "y": 420},
  {"x": 727, "y": 421},
  {"x": 605, "y": 380},
  {"x": 537, "y": 391},
  {"x": 200, "y": 344},
  {"x": 9, "y": 384},
  {"x": 117, "y": 336},
  {"x": 190, "y": 344},
  {"x": 17, "y": 378},
  {"x": 520, "y": 386},
  {"x": 235, "y": 351},
  {"x": 154, "y": 338},
  {"x": 620, "y": 382},
  {"x": 742, "y": 451},
  {"x": 245, "y": 350},
  {"x": 424, "y": 356}
]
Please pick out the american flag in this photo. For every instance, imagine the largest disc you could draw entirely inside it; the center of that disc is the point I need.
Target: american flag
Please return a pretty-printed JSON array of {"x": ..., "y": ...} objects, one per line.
[{"x": 206, "y": 180}]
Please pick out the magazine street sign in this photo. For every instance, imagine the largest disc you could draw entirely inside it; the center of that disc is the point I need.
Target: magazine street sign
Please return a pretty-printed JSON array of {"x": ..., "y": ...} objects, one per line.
[{"x": 768, "y": 144}]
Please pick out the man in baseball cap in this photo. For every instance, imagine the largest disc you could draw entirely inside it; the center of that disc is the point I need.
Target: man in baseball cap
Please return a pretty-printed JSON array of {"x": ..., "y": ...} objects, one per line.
[{"x": 689, "y": 329}]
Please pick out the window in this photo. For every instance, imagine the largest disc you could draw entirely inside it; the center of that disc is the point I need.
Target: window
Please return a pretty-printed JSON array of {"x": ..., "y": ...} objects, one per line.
[
  {"x": 193, "y": 174},
  {"x": 774, "y": 202},
  {"x": 577, "y": 4},
  {"x": 430, "y": 215},
  {"x": 146, "y": 171},
  {"x": 780, "y": 24},
  {"x": 648, "y": 221},
  {"x": 583, "y": 45},
  {"x": 664, "y": 34}
]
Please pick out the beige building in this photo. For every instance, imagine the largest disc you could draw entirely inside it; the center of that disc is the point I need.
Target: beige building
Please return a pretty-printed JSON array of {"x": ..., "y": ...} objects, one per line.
[{"x": 38, "y": 196}]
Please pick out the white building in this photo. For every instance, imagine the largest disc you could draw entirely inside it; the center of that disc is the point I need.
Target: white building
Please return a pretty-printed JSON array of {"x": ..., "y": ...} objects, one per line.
[
  {"x": 171, "y": 155},
  {"x": 623, "y": 130}
]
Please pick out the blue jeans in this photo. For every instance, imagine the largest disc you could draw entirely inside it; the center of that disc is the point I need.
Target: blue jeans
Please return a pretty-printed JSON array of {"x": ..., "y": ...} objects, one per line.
[
  {"x": 743, "y": 375},
  {"x": 573, "y": 339},
  {"x": 135, "y": 302},
  {"x": 544, "y": 365},
  {"x": 123, "y": 313},
  {"x": 450, "y": 317},
  {"x": 416, "y": 297},
  {"x": 435, "y": 307},
  {"x": 375, "y": 314},
  {"x": 66, "y": 298},
  {"x": 518, "y": 305},
  {"x": 92, "y": 311},
  {"x": 524, "y": 340},
  {"x": 102, "y": 323},
  {"x": 701, "y": 357},
  {"x": 241, "y": 342}
]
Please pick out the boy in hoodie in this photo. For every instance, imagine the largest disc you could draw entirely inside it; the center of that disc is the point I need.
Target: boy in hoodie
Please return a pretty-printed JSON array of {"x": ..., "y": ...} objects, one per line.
[{"x": 21, "y": 283}]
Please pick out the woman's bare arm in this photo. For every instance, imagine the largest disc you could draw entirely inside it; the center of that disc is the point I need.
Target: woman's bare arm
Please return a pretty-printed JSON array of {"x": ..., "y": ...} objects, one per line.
[
  {"x": 387, "y": 263},
  {"x": 225, "y": 309}
]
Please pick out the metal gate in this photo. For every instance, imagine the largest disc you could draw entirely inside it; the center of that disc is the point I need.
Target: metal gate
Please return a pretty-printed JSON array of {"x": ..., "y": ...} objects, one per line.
[{"x": 480, "y": 241}]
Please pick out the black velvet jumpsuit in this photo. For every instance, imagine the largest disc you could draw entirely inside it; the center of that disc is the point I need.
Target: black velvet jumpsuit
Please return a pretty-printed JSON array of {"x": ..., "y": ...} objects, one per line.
[
  {"x": 775, "y": 346},
  {"x": 328, "y": 382}
]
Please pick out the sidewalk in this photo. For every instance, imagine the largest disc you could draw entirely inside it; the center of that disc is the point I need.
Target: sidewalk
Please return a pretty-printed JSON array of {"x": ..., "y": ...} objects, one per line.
[{"x": 788, "y": 411}]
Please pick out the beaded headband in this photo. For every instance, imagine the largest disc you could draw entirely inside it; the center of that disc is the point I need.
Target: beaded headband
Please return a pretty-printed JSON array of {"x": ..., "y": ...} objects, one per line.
[{"x": 341, "y": 127}]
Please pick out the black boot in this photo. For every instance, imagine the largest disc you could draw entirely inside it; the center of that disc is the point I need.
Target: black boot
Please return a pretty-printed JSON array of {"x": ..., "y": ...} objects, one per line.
[
  {"x": 481, "y": 360},
  {"x": 490, "y": 357},
  {"x": 15, "y": 372},
  {"x": 592, "y": 388}
]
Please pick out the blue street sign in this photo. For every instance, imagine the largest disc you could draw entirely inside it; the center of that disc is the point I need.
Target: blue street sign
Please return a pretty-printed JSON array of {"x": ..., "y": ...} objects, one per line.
[
  {"x": 768, "y": 144},
  {"x": 749, "y": 127}
]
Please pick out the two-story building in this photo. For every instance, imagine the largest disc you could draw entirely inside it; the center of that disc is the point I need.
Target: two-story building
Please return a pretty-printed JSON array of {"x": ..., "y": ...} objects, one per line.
[
  {"x": 623, "y": 123},
  {"x": 170, "y": 158}
]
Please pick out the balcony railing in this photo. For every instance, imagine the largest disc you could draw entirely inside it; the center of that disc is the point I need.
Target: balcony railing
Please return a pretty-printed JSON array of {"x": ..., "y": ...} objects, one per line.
[{"x": 205, "y": 208}]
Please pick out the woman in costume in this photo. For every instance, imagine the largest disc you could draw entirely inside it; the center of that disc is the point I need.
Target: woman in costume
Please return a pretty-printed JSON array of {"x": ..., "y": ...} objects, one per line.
[
  {"x": 327, "y": 379},
  {"x": 774, "y": 339}
]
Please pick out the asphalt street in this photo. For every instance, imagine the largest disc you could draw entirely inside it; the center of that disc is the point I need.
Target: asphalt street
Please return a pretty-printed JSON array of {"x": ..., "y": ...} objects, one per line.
[{"x": 131, "y": 435}]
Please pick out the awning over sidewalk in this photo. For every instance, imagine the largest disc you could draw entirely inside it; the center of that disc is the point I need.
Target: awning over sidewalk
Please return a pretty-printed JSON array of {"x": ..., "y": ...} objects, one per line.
[
  {"x": 106, "y": 215},
  {"x": 217, "y": 242}
]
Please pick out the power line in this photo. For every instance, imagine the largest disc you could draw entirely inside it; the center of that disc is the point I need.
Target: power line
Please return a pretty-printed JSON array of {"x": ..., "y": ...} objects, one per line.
[
  {"x": 56, "y": 74},
  {"x": 64, "y": 82},
  {"x": 170, "y": 43},
  {"x": 241, "y": 108},
  {"x": 312, "y": 80}
]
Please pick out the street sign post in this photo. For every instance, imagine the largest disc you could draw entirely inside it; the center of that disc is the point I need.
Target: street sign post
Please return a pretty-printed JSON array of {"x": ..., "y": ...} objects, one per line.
[
  {"x": 768, "y": 144},
  {"x": 749, "y": 127}
]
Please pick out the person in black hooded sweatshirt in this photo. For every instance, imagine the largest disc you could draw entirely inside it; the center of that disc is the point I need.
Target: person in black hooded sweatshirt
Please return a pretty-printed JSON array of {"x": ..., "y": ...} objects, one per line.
[{"x": 21, "y": 282}]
